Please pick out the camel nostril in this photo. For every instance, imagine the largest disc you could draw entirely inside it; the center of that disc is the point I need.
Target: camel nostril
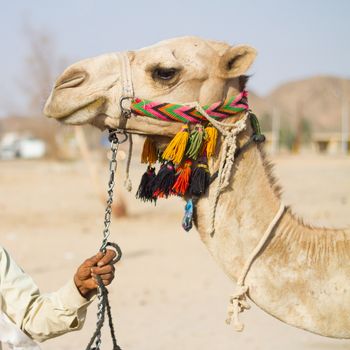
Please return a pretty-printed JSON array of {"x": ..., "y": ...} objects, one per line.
[{"x": 70, "y": 80}]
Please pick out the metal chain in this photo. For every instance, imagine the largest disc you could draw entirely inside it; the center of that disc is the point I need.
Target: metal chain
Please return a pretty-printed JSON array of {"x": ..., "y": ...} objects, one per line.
[
  {"x": 103, "y": 302},
  {"x": 110, "y": 191}
]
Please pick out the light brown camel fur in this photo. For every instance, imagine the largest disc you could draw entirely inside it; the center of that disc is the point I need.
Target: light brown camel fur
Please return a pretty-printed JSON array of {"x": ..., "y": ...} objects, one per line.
[{"x": 302, "y": 275}]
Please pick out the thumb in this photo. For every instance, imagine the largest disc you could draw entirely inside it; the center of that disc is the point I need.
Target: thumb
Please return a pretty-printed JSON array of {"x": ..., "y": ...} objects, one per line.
[{"x": 94, "y": 259}]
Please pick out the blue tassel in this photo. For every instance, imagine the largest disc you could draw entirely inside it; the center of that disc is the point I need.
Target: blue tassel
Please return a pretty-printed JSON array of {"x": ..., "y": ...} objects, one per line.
[{"x": 188, "y": 217}]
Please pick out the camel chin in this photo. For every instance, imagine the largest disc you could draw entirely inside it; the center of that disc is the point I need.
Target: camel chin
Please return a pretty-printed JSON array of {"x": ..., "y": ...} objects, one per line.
[
  {"x": 161, "y": 132},
  {"x": 78, "y": 118}
]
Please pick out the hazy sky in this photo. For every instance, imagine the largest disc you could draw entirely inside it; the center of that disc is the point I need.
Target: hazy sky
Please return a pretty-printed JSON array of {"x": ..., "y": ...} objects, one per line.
[{"x": 295, "y": 38}]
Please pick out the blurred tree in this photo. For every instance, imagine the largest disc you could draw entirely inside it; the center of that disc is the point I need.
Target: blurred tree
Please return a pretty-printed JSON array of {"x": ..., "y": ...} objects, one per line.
[
  {"x": 266, "y": 122},
  {"x": 303, "y": 134},
  {"x": 287, "y": 136},
  {"x": 42, "y": 65},
  {"x": 306, "y": 131}
]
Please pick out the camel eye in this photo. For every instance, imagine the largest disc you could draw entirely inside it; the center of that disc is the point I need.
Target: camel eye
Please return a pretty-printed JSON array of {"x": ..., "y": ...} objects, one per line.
[{"x": 164, "y": 73}]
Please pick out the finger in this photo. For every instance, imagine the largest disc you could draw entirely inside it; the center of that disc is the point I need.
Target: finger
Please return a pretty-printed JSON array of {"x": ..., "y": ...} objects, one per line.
[
  {"x": 95, "y": 284},
  {"x": 103, "y": 276},
  {"x": 106, "y": 282},
  {"x": 93, "y": 260},
  {"x": 107, "y": 276},
  {"x": 84, "y": 273},
  {"x": 107, "y": 258},
  {"x": 102, "y": 270},
  {"x": 91, "y": 283}
]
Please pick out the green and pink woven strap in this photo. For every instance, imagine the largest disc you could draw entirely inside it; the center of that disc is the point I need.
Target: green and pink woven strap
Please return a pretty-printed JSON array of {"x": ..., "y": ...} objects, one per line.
[{"x": 188, "y": 114}]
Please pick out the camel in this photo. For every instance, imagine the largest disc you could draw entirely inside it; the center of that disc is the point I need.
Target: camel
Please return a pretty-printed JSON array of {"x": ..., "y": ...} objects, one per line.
[{"x": 301, "y": 276}]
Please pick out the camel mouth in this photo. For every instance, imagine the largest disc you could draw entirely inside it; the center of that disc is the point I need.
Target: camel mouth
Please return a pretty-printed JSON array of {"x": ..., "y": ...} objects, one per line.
[
  {"x": 103, "y": 121},
  {"x": 140, "y": 125},
  {"x": 94, "y": 113},
  {"x": 84, "y": 114},
  {"x": 77, "y": 118}
]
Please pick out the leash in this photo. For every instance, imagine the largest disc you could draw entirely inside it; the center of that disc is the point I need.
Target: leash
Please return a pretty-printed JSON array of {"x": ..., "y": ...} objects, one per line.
[
  {"x": 104, "y": 307},
  {"x": 238, "y": 300}
]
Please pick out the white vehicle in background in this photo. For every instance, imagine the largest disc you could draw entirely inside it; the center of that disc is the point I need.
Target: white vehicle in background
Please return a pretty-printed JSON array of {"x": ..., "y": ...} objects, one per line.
[{"x": 27, "y": 147}]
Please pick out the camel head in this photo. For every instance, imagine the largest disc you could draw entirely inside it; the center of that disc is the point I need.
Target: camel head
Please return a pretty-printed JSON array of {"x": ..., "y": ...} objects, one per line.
[{"x": 179, "y": 70}]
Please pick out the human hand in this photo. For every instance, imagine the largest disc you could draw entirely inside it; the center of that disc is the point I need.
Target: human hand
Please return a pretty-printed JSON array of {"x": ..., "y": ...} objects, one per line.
[{"x": 99, "y": 264}]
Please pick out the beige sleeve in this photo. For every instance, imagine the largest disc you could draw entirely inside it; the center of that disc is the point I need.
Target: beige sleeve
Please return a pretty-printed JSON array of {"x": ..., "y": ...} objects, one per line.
[{"x": 41, "y": 316}]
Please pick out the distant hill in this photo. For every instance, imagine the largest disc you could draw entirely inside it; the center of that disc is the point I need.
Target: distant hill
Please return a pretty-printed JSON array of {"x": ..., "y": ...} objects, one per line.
[{"x": 317, "y": 99}]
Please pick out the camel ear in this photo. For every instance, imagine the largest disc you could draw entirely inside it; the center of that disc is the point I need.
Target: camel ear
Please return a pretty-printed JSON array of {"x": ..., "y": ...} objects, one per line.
[{"x": 236, "y": 61}]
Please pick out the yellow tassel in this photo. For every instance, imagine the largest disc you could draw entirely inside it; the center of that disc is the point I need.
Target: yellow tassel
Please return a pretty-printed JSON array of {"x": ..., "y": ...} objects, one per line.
[
  {"x": 212, "y": 135},
  {"x": 149, "y": 152},
  {"x": 177, "y": 146}
]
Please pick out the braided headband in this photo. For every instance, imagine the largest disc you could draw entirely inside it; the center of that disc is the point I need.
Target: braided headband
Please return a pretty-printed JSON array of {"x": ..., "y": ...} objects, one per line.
[{"x": 189, "y": 114}]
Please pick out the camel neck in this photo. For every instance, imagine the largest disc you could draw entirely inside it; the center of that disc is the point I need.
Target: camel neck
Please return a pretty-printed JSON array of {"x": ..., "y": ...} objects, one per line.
[
  {"x": 285, "y": 278},
  {"x": 244, "y": 210}
]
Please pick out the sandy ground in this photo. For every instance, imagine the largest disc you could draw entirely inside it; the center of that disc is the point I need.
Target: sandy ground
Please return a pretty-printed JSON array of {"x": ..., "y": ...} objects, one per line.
[{"x": 169, "y": 293}]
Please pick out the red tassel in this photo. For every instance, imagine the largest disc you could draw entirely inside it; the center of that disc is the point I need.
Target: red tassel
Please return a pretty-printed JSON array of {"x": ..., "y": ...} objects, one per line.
[{"x": 183, "y": 175}]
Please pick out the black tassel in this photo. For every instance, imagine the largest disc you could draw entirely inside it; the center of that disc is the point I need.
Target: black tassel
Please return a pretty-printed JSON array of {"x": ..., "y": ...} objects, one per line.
[
  {"x": 200, "y": 179},
  {"x": 144, "y": 191},
  {"x": 164, "y": 181}
]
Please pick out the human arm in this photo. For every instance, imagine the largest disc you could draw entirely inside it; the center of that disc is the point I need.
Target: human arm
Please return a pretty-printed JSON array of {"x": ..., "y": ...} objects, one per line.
[{"x": 44, "y": 316}]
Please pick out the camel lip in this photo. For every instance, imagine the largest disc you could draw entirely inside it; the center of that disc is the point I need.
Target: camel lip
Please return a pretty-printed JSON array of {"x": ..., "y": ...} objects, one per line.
[
  {"x": 137, "y": 125},
  {"x": 104, "y": 121},
  {"x": 74, "y": 119},
  {"x": 85, "y": 114}
]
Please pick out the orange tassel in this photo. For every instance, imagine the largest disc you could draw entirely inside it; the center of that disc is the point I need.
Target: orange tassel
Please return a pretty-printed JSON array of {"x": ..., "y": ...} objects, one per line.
[
  {"x": 183, "y": 175},
  {"x": 149, "y": 152}
]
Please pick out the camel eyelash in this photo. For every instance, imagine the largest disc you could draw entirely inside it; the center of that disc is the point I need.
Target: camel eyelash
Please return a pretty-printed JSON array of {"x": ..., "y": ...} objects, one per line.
[{"x": 164, "y": 74}]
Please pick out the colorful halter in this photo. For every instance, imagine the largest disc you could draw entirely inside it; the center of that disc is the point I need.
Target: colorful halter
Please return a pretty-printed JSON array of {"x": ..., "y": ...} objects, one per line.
[
  {"x": 189, "y": 114},
  {"x": 184, "y": 162},
  {"x": 183, "y": 169}
]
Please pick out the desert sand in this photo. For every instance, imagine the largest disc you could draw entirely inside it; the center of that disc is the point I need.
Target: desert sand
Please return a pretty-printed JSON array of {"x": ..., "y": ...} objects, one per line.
[{"x": 168, "y": 292}]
